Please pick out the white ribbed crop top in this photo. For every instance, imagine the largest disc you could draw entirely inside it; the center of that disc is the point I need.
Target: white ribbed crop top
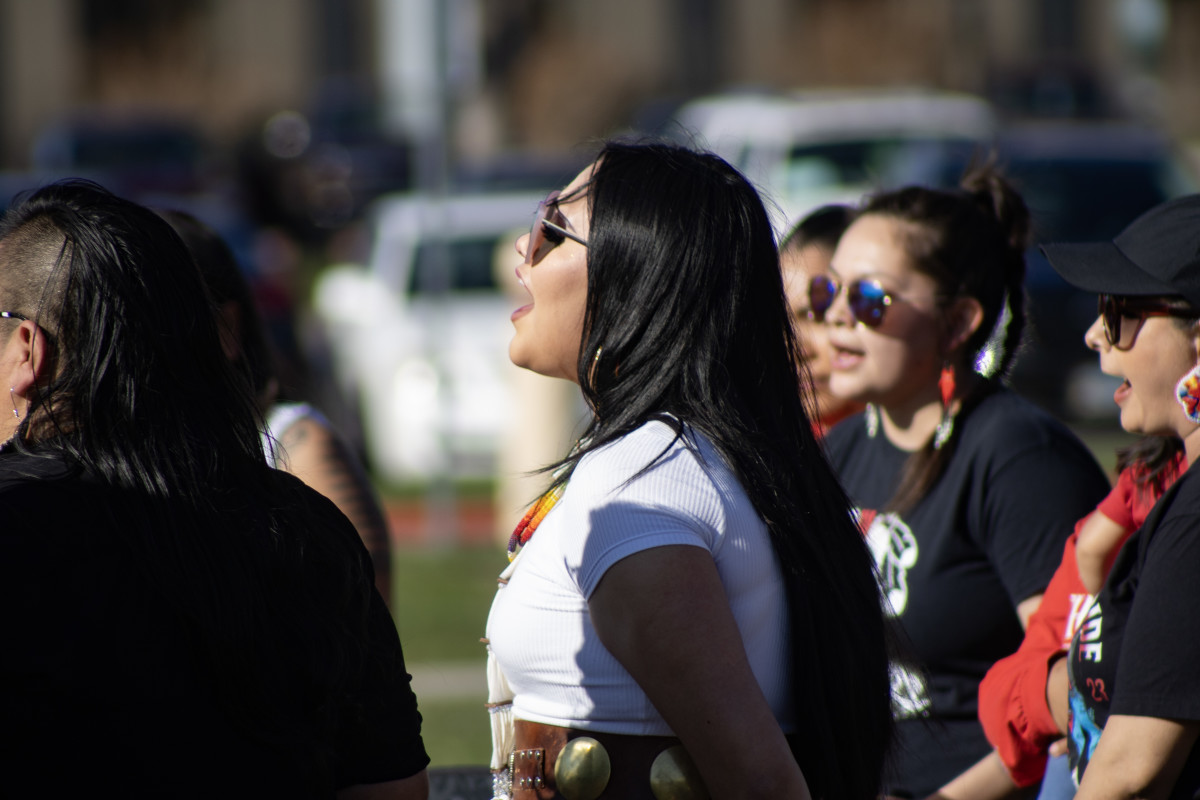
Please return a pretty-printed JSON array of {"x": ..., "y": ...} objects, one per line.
[{"x": 539, "y": 628}]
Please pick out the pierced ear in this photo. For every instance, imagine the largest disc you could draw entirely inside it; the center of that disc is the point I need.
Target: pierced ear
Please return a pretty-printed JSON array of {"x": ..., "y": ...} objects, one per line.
[
  {"x": 32, "y": 357},
  {"x": 963, "y": 318}
]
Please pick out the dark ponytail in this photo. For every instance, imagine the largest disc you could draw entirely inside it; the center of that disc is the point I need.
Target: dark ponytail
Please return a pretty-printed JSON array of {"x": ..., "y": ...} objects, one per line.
[{"x": 972, "y": 243}]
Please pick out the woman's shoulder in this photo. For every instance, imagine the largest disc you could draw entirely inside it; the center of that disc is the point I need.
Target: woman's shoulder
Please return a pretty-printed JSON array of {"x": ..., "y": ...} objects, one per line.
[
  {"x": 637, "y": 448},
  {"x": 31, "y": 479},
  {"x": 282, "y": 416},
  {"x": 655, "y": 453},
  {"x": 1005, "y": 420},
  {"x": 846, "y": 433},
  {"x": 1181, "y": 500}
]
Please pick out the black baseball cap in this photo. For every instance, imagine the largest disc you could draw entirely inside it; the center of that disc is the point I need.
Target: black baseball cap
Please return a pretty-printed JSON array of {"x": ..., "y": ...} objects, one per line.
[{"x": 1158, "y": 254}]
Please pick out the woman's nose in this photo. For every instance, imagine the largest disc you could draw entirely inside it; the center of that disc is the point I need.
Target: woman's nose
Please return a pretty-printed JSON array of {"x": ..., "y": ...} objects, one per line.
[
  {"x": 1094, "y": 337},
  {"x": 838, "y": 312}
]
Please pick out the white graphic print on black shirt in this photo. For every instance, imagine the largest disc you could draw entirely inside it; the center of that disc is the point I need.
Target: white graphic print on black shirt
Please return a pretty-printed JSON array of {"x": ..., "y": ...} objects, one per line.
[
  {"x": 1136, "y": 651},
  {"x": 989, "y": 534}
]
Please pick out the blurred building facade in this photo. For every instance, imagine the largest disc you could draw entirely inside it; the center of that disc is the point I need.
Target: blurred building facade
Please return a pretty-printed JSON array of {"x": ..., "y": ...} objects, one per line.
[{"x": 552, "y": 73}]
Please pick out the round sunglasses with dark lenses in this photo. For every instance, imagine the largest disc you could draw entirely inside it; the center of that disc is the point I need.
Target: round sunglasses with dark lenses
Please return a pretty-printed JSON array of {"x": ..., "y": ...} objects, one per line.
[
  {"x": 868, "y": 299},
  {"x": 548, "y": 231},
  {"x": 1124, "y": 316}
]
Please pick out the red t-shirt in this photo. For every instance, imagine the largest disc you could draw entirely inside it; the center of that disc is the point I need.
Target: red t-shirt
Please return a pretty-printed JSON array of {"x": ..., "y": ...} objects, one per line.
[{"x": 1012, "y": 696}]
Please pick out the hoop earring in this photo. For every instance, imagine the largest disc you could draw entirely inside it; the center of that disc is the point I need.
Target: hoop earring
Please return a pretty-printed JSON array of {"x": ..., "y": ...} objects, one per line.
[
  {"x": 871, "y": 417},
  {"x": 595, "y": 364},
  {"x": 1187, "y": 392},
  {"x": 945, "y": 428},
  {"x": 13, "y": 398}
]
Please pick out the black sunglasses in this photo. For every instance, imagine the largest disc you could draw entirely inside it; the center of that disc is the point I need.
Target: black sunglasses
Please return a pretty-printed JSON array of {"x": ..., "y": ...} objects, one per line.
[
  {"x": 1116, "y": 309},
  {"x": 867, "y": 298},
  {"x": 548, "y": 231}
]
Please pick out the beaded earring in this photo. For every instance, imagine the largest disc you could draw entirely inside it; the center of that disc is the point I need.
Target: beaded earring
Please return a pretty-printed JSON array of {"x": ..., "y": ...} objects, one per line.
[
  {"x": 945, "y": 428},
  {"x": 1187, "y": 392},
  {"x": 871, "y": 418}
]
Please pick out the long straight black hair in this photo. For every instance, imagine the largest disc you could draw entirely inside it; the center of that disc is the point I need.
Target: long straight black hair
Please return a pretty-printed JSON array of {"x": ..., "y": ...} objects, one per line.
[
  {"x": 686, "y": 322},
  {"x": 141, "y": 397}
]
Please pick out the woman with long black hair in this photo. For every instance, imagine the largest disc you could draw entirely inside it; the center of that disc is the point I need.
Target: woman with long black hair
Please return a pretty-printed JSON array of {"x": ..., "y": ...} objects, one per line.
[
  {"x": 691, "y": 590},
  {"x": 180, "y": 619}
]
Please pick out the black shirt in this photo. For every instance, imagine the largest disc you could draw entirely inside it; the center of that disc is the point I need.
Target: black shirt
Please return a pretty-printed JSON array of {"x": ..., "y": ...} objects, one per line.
[
  {"x": 105, "y": 689},
  {"x": 1136, "y": 651},
  {"x": 988, "y": 535}
]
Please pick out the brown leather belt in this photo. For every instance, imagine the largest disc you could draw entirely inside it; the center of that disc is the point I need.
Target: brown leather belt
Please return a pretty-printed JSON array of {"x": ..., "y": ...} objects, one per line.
[{"x": 537, "y": 748}]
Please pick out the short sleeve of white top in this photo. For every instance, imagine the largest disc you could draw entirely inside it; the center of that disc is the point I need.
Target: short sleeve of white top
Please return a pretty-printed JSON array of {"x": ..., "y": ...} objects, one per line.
[{"x": 539, "y": 628}]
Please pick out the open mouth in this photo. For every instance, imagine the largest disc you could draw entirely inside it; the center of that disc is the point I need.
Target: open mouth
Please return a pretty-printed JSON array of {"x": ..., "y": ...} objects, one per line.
[
  {"x": 525, "y": 309},
  {"x": 1123, "y": 391},
  {"x": 843, "y": 358}
]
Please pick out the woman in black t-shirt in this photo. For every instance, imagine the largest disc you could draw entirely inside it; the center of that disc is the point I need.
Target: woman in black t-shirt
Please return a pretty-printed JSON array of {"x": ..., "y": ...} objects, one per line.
[
  {"x": 966, "y": 492},
  {"x": 180, "y": 620},
  {"x": 1127, "y": 691}
]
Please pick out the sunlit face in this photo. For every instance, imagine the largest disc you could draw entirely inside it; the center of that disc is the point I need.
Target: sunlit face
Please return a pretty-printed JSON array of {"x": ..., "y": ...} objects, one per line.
[
  {"x": 549, "y": 329},
  {"x": 895, "y": 364},
  {"x": 1162, "y": 353},
  {"x": 799, "y": 265}
]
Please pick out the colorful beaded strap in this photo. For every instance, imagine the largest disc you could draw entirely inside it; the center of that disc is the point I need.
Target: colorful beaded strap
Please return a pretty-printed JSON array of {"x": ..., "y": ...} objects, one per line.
[{"x": 532, "y": 519}]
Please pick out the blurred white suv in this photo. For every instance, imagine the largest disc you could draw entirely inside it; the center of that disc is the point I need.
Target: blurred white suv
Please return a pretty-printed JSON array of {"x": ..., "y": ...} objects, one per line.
[{"x": 420, "y": 333}]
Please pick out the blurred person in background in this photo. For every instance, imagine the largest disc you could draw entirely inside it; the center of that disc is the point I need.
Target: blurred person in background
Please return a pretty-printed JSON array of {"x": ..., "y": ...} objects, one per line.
[
  {"x": 298, "y": 438},
  {"x": 691, "y": 594},
  {"x": 180, "y": 619},
  {"x": 1126, "y": 692},
  {"x": 965, "y": 491},
  {"x": 804, "y": 256}
]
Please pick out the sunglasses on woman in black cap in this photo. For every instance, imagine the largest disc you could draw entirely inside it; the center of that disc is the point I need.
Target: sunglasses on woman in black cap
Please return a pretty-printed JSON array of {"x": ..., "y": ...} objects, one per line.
[{"x": 1124, "y": 316}]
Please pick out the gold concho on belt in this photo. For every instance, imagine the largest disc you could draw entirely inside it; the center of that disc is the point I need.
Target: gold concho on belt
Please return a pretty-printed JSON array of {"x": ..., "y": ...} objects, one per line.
[
  {"x": 583, "y": 769},
  {"x": 673, "y": 776}
]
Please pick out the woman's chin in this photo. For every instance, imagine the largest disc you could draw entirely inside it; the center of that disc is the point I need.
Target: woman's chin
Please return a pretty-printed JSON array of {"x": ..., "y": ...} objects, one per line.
[{"x": 516, "y": 354}]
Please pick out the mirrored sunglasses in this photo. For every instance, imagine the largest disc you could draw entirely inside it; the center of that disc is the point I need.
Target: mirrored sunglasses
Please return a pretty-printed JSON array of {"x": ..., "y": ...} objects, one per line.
[
  {"x": 868, "y": 299},
  {"x": 548, "y": 231}
]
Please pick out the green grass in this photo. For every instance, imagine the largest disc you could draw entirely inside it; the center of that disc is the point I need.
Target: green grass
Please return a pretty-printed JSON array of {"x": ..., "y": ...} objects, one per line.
[
  {"x": 456, "y": 732},
  {"x": 441, "y": 600},
  {"x": 464, "y": 488}
]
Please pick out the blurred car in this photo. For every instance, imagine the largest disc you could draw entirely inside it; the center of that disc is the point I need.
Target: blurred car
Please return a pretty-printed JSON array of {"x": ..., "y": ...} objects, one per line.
[
  {"x": 420, "y": 333},
  {"x": 1082, "y": 181},
  {"x": 805, "y": 149}
]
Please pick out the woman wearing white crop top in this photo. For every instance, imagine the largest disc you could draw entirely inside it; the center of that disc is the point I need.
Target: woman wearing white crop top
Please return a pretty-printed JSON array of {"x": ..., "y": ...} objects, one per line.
[{"x": 696, "y": 605}]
